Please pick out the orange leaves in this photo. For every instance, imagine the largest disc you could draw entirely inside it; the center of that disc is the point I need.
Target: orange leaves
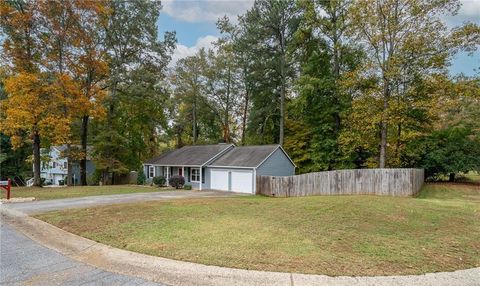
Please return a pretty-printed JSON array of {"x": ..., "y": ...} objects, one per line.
[
  {"x": 34, "y": 106},
  {"x": 59, "y": 67}
]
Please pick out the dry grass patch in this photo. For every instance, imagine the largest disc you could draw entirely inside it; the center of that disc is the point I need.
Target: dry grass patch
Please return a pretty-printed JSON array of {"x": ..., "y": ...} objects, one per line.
[
  {"x": 51, "y": 193},
  {"x": 333, "y": 235}
]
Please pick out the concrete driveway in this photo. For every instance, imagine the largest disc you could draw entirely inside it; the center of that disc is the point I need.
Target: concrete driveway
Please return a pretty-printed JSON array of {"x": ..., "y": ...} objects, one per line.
[{"x": 36, "y": 207}]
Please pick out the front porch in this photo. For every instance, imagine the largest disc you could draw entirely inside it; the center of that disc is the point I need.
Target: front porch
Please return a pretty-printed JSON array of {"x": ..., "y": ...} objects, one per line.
[{"x": 194, "y": 175}]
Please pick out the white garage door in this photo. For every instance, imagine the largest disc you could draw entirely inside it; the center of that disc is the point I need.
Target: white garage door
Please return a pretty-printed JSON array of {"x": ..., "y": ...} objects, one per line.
[
  {"x": 219, "y": 180},
  {"x": 242, "y": 182}
]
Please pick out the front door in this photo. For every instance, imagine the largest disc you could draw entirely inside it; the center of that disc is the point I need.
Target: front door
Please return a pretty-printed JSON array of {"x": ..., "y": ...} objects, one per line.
[{"x": 180, "y": 172}]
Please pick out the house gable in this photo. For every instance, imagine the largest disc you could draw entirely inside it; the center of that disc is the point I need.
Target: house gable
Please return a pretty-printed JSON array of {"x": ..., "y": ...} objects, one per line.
[{"x": 277, "y": 164}]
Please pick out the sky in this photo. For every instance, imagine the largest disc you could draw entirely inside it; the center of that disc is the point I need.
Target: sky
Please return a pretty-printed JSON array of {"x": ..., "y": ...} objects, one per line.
[{"x": 194, "y": 23}]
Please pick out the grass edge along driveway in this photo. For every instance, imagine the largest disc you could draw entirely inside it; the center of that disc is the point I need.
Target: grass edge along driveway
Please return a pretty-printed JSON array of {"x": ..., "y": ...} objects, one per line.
[{"x": 333, "y": 235}]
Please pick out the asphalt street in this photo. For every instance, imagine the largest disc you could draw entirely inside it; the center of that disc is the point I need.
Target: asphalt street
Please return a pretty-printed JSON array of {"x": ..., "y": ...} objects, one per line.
[{"x": 24, "y": 262}]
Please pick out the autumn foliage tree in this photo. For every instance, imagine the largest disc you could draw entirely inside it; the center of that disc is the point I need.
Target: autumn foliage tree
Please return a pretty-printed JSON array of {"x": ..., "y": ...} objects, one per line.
[
  {"x": 55, "y": 52},
  {"x": 21, "y": 53},
  {"x": 90, "y": 70}
]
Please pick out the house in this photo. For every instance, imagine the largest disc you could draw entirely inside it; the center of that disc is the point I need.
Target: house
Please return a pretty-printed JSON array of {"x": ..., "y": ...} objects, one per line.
[
  {"x": 53, "y": 165},
  {"x": 224, "y": 167}
]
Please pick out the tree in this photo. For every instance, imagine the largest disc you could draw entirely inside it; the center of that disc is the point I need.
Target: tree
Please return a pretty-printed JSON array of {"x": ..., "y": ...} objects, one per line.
[
  {"x": 406, "y": 41},
  {"x": 325, "y": 56},
  {"x": 453, "y": 143},
  {"x": 20, "y": 52},
  {"x": 58, "y": 36},
  {"x": 189, "y": 89},
  {"x": 91, "y": 70},
  {"x": 223, "y": 85},
  {"x": 30, "y": 111},
  {"x": 235, "y": 37},
  {"x": 137, "y": 93},
  {"x": 269, "y": 27}
]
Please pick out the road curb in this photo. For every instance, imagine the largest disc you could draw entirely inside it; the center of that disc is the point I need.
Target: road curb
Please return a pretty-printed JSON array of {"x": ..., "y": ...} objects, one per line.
[{"x": 173, "y": 272}]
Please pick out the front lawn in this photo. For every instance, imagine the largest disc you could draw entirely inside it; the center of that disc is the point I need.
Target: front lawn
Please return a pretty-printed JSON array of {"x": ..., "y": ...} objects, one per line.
[
  {"x": 334, "y": 235},
  {"x": 51, "y": 193}
]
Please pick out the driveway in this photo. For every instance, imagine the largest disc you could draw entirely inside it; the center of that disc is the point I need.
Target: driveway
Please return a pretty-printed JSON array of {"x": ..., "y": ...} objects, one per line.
[
  {"x": 36, "y": 207},
  {"x": 25, "y": 262}
]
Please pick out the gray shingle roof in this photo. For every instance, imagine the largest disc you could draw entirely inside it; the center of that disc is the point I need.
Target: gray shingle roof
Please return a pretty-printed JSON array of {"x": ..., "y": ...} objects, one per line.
[
  {"x": 246, "y": 156},
  {"x": 195, "y": 155}
]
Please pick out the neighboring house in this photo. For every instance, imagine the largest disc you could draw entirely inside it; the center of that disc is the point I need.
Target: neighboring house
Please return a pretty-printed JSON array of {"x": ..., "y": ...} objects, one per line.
[
  {"x": 53, "y": 166},
  {"x": 221, "y": 167}
]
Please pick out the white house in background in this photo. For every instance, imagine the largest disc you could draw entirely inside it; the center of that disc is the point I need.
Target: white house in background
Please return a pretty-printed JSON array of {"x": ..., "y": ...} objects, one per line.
[
  {"x": 224, "y": 167},
  {"x": 53, "y": 166}
]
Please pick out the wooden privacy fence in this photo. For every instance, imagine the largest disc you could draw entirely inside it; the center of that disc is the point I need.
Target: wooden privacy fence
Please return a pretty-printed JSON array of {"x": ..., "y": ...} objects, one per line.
[{"x": 385, "y": 182}]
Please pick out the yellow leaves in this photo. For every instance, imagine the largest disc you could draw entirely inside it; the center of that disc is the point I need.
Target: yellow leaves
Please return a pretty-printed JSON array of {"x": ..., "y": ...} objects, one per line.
[
  {"x": 16, "y": 141},
  {"x": 35, "y": 105}
]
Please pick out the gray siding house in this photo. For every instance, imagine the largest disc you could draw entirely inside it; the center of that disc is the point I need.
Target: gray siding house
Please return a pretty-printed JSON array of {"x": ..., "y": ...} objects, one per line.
[
  {"x": 53, "y": 165},
  {"x": 224, "y": 167}
]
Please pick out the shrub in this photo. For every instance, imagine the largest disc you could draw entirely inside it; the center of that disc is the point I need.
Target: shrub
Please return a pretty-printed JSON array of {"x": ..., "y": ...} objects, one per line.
[
  {"x": 141, "y": 177},
  {"x": 187, "y": 187},
  {"x": 61, "y": 182},
  {"x": 94, "y": 178},
  {"x": 176, "y": 181},
  {"x": 159, "y": 181}
]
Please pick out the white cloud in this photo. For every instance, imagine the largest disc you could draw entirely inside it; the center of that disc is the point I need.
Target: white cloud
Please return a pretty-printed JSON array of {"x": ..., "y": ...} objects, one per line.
[
  {"x": 470, "y": 8},
  {"x": 182, "y": 51},
  {"x": 469, "y": 12},
  {"x": 205, "y": 11}
]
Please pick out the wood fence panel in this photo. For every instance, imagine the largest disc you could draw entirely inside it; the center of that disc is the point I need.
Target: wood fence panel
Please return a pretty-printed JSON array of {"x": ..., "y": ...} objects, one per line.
[{"x": 385, "y": 182}]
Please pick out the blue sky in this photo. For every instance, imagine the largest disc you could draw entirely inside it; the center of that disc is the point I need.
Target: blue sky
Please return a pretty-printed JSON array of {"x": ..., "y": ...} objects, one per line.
[{"x": 194, "y": 23}]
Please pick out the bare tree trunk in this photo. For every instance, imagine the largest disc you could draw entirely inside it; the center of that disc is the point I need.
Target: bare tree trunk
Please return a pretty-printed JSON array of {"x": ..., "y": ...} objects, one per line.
[
  {"x": 336, "y": 70},
  {"x": 226, "y": 129},
  {"x": 69, "y": 166},
  {"x": 282, "y": 92},
  {"x": 244, "y": 118},
  {"x": 383, "y": 127},
  {"x": 399, "y": 141},
  {"x": 451, "y": 177},
  {"x": 37, "y": 181},
  {"x": 383, "y": 144},
  {"x": 83, "y": 161},
  {"x": 194, "y": 120}
]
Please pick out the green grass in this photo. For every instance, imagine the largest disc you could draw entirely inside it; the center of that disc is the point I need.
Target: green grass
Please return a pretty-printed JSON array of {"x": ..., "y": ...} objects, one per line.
[
  {"x": 335, "y": 235},
  {"x": 48, "y": 193}
]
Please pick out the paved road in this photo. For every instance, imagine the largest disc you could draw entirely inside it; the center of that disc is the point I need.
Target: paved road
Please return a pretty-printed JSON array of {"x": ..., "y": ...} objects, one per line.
[
  {"x": 50, "y": 205},
  {"x": 24, "y": 262}
]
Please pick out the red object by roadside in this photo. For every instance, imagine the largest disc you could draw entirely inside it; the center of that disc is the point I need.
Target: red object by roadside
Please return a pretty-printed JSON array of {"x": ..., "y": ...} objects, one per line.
[{"x": 7, "y": 186}]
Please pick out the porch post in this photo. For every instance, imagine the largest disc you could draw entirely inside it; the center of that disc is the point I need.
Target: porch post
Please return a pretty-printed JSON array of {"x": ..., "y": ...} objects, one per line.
[
  {"x": 200, "y": 178},
  {"x": 168, "y": 174}
]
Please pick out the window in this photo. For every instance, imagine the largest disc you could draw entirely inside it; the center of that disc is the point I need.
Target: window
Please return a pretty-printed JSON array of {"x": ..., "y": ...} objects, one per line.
[
  {"x": 151, "y": 172},
  {"x": 44, "y": 165},
  {"x": 54, "y": 164},
  {"x": 65, "y": 165},
  {"x": 195, "y": 175}
]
